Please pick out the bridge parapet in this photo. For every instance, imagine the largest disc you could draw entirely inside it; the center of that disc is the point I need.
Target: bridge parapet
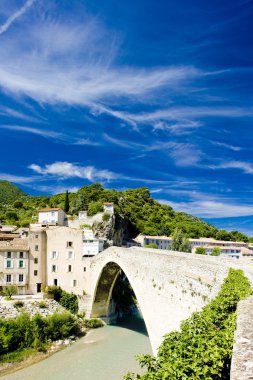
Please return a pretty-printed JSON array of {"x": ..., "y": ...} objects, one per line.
[{"x": 242, "y": 359}]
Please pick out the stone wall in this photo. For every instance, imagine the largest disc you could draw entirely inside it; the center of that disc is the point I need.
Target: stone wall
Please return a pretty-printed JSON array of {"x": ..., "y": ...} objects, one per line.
[
  {"x": 32, "y": 307},
  {"x": 242, "y": 359}
]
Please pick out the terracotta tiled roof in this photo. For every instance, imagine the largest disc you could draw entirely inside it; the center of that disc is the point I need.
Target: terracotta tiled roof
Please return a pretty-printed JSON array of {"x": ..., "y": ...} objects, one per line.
[
  {"x": 49, "y": 209},
  {"x": 16, "y": 244},
  {"x": 8, "y": 236}
]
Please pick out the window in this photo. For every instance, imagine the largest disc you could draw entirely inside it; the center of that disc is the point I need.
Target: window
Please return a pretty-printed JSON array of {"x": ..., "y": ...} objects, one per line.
[
  {"x": 69, "y": 243},
  {"x": 36, "y": 247},
  {"x": 8, "y": 255},
  {"x": 69, "y": 268},
  {"x": 21, "y": 255},
  {"x": 8, "y": 263},
  {"x": 84, "y": 269},
  {"x": 70, "y": 255},
  {"x": 8, "y": 278},
  {"x": 36, "y": 236},
  {"x": 35, "y": 273},
  {"x": 74, "y": 282},
  {"x": 20, "y": 278},
  {"x": 21, "y": 264},
  {"x": 55, "y": 281},
  {"x": 53, "y": 268},
  {"x": 54, "y": 255},
  {"x": 36, "y": 260}
]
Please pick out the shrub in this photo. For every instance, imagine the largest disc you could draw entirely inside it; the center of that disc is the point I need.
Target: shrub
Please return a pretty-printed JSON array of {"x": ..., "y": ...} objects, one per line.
[
  {"x": 106, "y": 217},
  {"x": 42, "y": 305},
  {"x": 86, "y": 226},
  {"x": 65, "y": 299},
  {"x": 18, "y": 304},
  {"x": 55, "y": 291},
  {"x": 155, "y": 246},
  {"x": 93, "y": 323},
  {"x": 200, "y": 251},
  {"x": 215, "y": 251},
  {"x": 24, "y": 332},
  {"x": 69, "y": 301}
]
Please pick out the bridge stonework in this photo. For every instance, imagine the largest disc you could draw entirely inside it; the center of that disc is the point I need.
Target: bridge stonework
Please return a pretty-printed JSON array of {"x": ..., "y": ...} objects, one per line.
[{"x": 169, "y": 286}]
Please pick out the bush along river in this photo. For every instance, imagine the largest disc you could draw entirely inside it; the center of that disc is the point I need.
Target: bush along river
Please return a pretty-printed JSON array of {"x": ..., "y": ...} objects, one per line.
[{"x": 107, "y": 353}]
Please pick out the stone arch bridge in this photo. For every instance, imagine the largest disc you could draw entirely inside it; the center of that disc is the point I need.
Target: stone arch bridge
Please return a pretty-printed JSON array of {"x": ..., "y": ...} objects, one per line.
[{"x": 169, "y": 286}]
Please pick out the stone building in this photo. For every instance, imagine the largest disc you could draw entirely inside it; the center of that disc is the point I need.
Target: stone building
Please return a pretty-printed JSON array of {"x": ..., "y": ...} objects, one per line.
[{"x": 14, "y": 264}]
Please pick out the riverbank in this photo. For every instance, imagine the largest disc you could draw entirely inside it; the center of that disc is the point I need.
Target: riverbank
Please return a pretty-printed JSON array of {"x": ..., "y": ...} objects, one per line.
[
  {"x": 107, "y": 353},
  {"x": 33, "y": 356}
]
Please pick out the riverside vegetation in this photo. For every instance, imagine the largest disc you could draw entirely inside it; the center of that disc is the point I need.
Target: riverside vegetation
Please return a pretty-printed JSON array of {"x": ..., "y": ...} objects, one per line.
[
  {"x": 202, "y": 349},
  {"x": 135, "y": 211},
  {"x": 24, "y": 335}
]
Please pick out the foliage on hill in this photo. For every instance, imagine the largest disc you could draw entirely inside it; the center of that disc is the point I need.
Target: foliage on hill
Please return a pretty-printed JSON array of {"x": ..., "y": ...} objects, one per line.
[
  {"x": 142, "y": 213},
  {"x": 9, "y": 192},
  {"x": 202, "y": 349}
]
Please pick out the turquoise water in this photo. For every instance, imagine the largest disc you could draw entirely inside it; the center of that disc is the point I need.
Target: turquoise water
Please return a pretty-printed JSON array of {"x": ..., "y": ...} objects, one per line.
[{"x": 104, "y": 354}]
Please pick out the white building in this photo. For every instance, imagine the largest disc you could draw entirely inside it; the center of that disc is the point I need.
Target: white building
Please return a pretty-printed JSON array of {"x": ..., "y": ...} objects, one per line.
[
  {"x": 232, "y": 249},
  {"x": 108, "y": 208},
  {"x": 52, "y": 216},
  {"x": 91, "y": 245}
]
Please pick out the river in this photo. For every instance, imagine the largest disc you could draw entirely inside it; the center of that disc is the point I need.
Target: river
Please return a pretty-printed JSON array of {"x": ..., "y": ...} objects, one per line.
[{"x": 104, "y": 354}]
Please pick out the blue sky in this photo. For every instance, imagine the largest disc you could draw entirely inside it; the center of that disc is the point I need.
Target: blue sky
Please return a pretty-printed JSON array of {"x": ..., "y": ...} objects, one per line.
[{"x": 131, "y": 94}]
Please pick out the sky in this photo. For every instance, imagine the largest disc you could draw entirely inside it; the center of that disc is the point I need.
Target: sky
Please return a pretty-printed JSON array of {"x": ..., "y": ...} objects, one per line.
[{"x": 131, "y": 94}]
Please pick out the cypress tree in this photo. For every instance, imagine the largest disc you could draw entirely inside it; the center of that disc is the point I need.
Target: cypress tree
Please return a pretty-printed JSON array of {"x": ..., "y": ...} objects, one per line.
[{"x": 66, "y": 206}]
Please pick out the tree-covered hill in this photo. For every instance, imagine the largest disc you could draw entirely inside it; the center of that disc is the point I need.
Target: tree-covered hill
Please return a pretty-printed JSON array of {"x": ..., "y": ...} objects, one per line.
[
  {"x": 9, "y": 192},
  {"x": 135, "y": 207}
]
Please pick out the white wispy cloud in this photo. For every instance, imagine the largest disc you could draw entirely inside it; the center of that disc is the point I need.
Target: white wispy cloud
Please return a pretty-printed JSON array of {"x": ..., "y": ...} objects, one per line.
[
  {"x": 66, "y": 170},
  {"x": 246, "y": 167},
  {"x": 35, "y": 131},
  {"x": 67, "y": 139},
  {"x": 17, "y": 179},
  {"x": 59, "y": 189},
  {"x": 211, "y": 208},
  {"x": 123, "y": 143},
  {"x": 4, "y": 27},
  {"x": 227, "y": 146}
]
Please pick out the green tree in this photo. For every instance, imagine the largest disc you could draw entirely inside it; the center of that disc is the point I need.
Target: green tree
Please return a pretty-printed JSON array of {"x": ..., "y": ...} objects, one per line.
[
  {"x": 11, "y": 215},
  {"x": 180, "y": 242},
  {"x": 215, "y": 251},
  {"x": 18, "y": 204},
  {"x": 9, "y": 291},
  {"x": 66, "y": 205},
  {"x": 223, "y": 235},
  {"x": 201, "y": 251}
]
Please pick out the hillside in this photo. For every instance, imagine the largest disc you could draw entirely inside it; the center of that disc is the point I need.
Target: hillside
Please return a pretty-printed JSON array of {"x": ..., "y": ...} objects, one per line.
[
  {"x": 135, "y": 212},
  {"x": 9, "y": 192}
]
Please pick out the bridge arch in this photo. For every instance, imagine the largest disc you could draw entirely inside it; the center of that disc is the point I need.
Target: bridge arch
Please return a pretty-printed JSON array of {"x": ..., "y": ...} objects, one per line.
[
  {"x": 102, "y": 303},
  {"x": 168, "y": 286}
]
